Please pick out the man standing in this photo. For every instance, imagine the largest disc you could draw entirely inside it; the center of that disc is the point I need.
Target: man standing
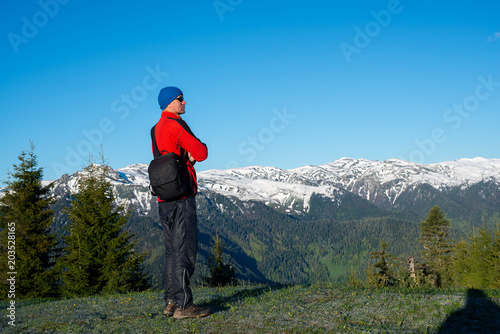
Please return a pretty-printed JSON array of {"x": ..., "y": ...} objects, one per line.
[{"x": 178, "y": 217}]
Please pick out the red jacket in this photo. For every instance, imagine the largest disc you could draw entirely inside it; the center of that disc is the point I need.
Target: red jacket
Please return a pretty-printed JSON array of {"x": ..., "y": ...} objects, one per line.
[{"x": 171, "y": 136}]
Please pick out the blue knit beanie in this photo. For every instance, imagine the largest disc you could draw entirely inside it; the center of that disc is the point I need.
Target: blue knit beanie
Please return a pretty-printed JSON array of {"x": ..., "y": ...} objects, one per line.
[{"x": 167, "y": 95}]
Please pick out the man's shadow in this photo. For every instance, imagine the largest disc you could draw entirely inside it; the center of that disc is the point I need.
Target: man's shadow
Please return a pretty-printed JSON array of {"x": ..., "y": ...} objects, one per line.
[{"x": 479, "y": 315}]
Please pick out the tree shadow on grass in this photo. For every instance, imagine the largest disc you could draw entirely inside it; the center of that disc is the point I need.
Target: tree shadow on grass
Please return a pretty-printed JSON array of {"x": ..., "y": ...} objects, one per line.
[
  {"x": 220, "y": 303},
  {"x": 479, "y": 315}
]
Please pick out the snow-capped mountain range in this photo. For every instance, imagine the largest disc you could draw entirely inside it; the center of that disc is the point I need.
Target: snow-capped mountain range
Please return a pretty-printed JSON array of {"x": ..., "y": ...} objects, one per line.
[
  {"x": 290, "y": 190},
  {"x": 310, "y": 209},
  {"x": 380, "y": 182}
]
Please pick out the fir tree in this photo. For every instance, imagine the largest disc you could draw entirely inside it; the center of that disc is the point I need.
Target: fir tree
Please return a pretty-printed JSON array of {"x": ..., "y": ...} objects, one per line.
[
  {"x": 460, "y": 264},
  {"x": 27, "y": 246},
  {"x": 473, "y": 267},
  {"x": 436, "y": 255},
  {"x": 99, "y": 254},
  {"x": 479, "y": 251},
  {"x": 494, "y": 260},
  {"x": 384, "y": 275},
  {"x": 221, "y": 274}
]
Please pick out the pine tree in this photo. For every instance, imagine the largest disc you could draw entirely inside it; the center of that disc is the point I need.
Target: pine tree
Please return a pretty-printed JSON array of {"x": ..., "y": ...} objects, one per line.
[
  {"x": 354, "y": 280},
  {"x": 494, "y": 261},
  {"x": 384, "y": 275},
  {"x": 460, "y": 263},
  {"x": 436, "y": 255},
  {"x": 479, "y": 251},
  {"x": 221, "y": 274},
  {"x": 99, "y": 255},
  {"x": 473, "y": 266},
  {"x": 26, "y": 240}
]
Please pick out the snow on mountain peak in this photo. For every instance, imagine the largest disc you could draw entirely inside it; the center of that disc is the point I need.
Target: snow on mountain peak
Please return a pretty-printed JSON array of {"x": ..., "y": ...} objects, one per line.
[
  {"x": 290, "y": 190},
  {"x": 137, "y": 174},
  {"x": 281, "y": 187},
  {"x": 366, "y": 178}
]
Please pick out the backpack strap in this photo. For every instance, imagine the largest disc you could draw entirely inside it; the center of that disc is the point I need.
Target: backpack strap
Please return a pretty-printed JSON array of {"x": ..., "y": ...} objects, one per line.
[
  {"x": 156, "y": 151},
  {"x": 184, "y": 126}
]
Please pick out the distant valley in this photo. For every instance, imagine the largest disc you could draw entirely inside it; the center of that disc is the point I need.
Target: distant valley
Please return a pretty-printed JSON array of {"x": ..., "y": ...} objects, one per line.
[{"x": 310, "y": 223}]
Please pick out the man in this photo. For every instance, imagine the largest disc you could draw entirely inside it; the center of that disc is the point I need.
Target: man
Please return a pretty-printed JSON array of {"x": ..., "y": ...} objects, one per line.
[{"x": 178, "y": 217}]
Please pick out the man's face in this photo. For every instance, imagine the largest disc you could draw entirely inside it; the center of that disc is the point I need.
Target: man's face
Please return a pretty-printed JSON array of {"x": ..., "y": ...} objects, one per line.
[{"x": 177, "y": 106}]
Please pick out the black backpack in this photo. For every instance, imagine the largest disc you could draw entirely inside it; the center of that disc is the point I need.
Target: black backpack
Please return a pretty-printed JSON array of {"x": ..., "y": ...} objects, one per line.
[{"x": 169, "y": 177}]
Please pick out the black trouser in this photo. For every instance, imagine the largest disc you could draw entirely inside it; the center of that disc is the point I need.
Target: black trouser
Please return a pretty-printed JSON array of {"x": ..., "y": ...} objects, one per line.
[{"x": 179, "y": 222}]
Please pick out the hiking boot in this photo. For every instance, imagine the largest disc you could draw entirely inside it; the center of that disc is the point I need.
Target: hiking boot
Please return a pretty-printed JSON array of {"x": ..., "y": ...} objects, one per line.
[
  {"x": 192, "y": 311},
  {"x": 169, "y": 311}
]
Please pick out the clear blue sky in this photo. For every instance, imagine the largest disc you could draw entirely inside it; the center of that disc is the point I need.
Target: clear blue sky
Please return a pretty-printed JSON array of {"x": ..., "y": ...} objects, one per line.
[{"x": 274, "y": 84}]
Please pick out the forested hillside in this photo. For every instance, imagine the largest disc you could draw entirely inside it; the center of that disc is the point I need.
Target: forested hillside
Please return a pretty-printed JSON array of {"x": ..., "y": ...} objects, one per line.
[
  {"x": 317, "y": 223},
  {"x": 329, "y": 243},
  {"x": 267, "y": 246}
]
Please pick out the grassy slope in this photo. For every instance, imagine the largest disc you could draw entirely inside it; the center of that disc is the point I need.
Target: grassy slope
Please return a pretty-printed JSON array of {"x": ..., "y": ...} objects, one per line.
[{"x": 262, "y": 309}]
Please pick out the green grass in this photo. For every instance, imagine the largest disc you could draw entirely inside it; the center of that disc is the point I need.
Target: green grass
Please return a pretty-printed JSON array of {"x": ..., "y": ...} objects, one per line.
[
  {"x": 264, "y": 309},
  {"x": 334, "y": 269}
]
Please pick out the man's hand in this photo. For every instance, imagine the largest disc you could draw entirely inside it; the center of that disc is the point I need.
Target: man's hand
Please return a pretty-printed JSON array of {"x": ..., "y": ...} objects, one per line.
[{"x": 191, "y": 159}]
